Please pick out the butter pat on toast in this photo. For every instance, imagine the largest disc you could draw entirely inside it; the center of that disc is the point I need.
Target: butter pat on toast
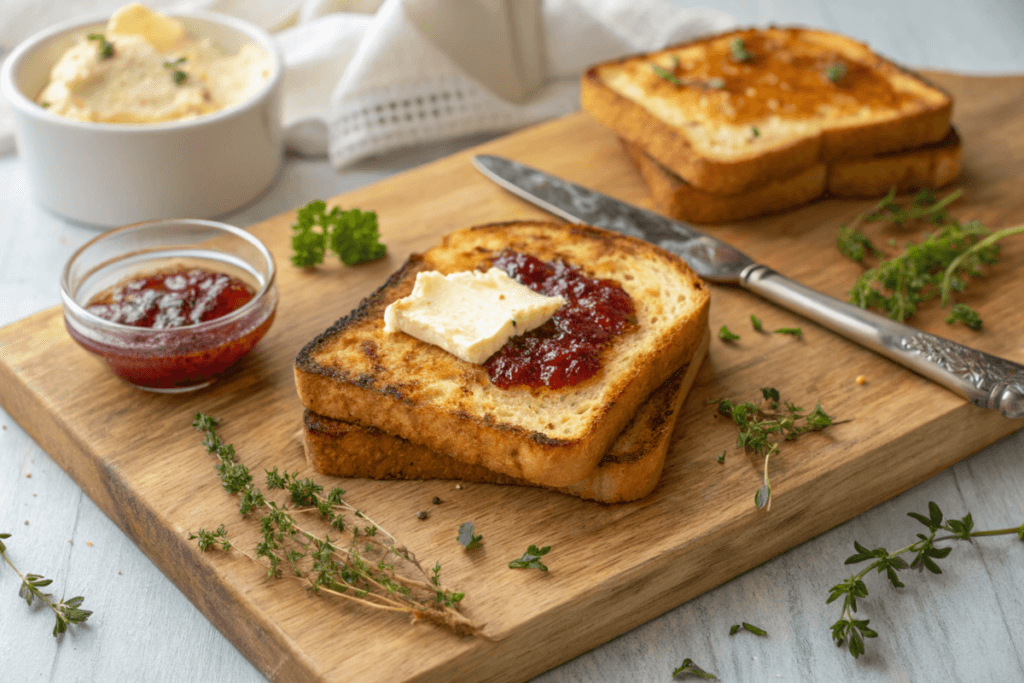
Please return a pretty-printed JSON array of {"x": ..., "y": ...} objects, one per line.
[
  {"x": 629, "y": 471},
  {"x": 930, "y": 166},
  {"x": 355, "y": 372},
  {"x": 734, "y": 111}
]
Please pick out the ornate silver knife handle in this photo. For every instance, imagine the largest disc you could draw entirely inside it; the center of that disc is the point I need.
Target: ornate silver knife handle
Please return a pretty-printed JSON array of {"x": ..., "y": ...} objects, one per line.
[{"x": 985, "y": 380}]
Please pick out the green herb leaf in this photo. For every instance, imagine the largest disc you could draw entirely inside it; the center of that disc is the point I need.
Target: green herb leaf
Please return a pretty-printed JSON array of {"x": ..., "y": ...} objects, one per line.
[
  {"x": 688, "y": 667},
  {"x": 754, "y": 629},
  {"x": 792, "y": 331},
  {"x": 466, "y": 537},
  {"x": 755, "y": 131},
  {"x": 667, "y": 75},
  {"x": 721, "y": 458},
  {"x": 964, "y": 314},
  {"x": 734, "y": 629},
  {"x": 763, "y": 496},
  {"x": 756, "y": 322},
  {"x": 106, "y": 49},
  {"x": 725, "y": 335},
  {"x": 531, "y": 559},
  {"x": 739, "y": 50},
  {"x": 835, "y": 72}
]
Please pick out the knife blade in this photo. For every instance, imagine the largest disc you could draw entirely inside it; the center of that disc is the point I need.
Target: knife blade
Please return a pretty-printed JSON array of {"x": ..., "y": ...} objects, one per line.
[{"x": 986, "y": 380}]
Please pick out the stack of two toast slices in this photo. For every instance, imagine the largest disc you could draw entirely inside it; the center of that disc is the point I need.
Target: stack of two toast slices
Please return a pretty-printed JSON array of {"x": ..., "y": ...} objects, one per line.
[
  {"x": 388, "y": 406},
  {"x": 762, "y": 120}
]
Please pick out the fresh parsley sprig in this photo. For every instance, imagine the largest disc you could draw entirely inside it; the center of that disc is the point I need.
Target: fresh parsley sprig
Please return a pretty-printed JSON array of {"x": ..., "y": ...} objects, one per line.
[
  {"x": 371, "y": 569},
  {"x": 352, "y": 235},
  {"x": 67, "y": 611},
  {"x": 853, "y": 631},
  {"x": 758, "y": 426}
]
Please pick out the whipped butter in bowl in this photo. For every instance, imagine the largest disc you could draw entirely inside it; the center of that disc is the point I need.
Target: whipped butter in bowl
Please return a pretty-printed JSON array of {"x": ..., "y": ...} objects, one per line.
[
  {"x": 141, "y": 116},
  {"x": 145, "y": 68}
]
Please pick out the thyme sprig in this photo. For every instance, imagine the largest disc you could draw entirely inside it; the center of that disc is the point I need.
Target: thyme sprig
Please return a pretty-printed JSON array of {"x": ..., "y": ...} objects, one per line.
[
  {"x": 371, "y": 568},
  {"x": 759, "y": 424},
  {"x": 936, "y": 267},
  {"x": 853, "y": 631},
  {"x": 67, "y": 611}
]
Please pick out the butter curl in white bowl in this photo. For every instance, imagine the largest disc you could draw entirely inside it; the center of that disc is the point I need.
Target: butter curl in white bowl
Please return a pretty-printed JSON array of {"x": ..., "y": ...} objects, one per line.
[{"x": 149, "y": 116}]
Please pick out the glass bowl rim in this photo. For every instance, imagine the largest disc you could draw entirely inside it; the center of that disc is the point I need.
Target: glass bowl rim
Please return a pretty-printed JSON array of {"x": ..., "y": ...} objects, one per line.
[{"x": 81, "y": 313}]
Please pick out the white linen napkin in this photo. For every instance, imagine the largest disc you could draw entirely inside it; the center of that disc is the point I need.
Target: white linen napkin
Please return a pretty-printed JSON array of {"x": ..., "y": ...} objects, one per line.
[{"x": 364, "y": 77}]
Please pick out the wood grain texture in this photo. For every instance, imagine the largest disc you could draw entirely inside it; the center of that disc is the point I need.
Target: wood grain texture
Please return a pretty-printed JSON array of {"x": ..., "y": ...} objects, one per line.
[{"x": 697, "y": 530}]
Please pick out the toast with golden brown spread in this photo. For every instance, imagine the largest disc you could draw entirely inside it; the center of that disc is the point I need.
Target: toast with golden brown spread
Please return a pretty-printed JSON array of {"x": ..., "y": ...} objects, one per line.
[
  {"x": 929, "y": 166},
  {"x": 629, "y": 471},
  {"x": 356, "y": 372},
  {"x": 734, "y": 111}
]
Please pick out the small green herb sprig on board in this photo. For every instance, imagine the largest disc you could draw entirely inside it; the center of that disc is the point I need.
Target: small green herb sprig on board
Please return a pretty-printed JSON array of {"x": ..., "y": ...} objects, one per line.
[
  {"x": 756, "y": 425},
  {"x": 853, "y": 631},
  {"x": 67, "y": 611},
  {"x": 371, "y": 568},
  {"x": 531, "y": 559},
  {"x": 688, "y": 667},
  {"x": 938, "y": 266},
  {"x": 352, "y": 235}
]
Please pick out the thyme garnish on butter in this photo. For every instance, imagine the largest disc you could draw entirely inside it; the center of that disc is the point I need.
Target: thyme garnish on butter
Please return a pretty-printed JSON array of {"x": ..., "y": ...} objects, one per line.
[
  {"x": 853, "y": 631},
  {"x": 67, "y": 611},
  {"x": 177, "y": 75},
  {"x": 371, "y": 568},
  {"x": 756, "y": 425},
  {"x": 106, "y": 48}
]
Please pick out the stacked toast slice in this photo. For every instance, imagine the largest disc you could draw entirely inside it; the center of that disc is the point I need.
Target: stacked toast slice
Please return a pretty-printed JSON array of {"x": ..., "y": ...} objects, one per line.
[
  {"x": 386, "y": 405},
  {"x": 761, "y": 120}
]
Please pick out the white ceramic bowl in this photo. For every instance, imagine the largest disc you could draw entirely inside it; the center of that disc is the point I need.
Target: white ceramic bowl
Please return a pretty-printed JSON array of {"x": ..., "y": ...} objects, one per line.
[{"x": 109, "y": 174}]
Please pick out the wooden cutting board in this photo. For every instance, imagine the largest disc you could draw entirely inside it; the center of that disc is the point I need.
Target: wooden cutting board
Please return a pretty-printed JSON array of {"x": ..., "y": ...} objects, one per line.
[{"x": 611, "y": 567}]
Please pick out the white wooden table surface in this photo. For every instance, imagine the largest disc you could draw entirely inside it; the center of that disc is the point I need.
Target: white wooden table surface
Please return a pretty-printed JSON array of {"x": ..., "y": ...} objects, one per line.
[{"x": 965, "y": 624}]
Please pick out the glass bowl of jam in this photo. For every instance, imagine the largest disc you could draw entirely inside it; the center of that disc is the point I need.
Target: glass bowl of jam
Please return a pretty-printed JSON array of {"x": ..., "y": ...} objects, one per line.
[{"x": 170, "y": 304}]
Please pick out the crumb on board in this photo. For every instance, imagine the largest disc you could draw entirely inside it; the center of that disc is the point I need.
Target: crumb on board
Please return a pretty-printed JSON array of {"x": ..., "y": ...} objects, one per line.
[
  {"x": 861, "y": 379},
  {"x": 26, "y": 522},
  {"x": 89, "y": 543},
  {"x": 458, "y": 486},
  {"x": 28, "y": 475}
]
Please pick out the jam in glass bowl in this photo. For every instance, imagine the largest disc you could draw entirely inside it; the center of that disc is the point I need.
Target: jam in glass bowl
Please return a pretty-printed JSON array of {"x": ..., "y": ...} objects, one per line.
[{"x": 170, "y": 304}]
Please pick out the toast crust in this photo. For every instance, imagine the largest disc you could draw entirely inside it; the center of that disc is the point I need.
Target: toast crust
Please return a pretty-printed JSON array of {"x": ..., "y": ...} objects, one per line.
[
  {"x": 355, "y": 372},
  {"x": 629, "y": 471},
  {"x": 727, "y": 140},
  {"x": 930, "y": 166}
]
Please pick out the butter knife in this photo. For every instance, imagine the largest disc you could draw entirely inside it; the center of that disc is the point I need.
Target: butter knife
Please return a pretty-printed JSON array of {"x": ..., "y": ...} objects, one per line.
[{"x": 985, "y": 380}]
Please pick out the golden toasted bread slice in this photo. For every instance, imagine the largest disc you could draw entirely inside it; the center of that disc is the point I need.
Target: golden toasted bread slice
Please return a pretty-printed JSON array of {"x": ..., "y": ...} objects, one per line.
[
  {"x": 629, "y": 471},
  {"x": 356, "y": 372},
  {"x": 930, "y": 166},
  {"x": 734, "y": 111}
]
